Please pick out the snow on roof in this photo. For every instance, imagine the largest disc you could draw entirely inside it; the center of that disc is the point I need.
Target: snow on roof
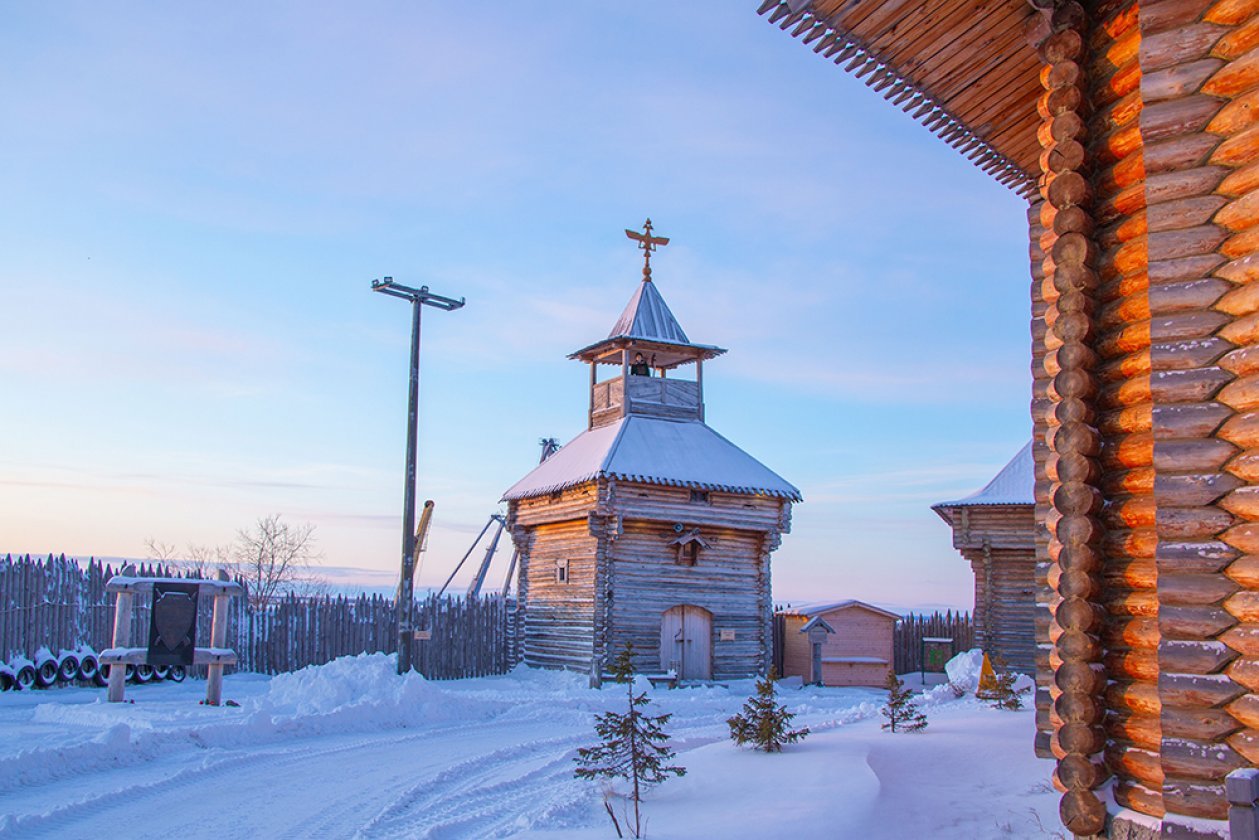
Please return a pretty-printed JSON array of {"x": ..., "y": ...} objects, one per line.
[
  {"x": 827, "y": 606},
  {"x": 647, "y": 316},
  {"x": 1012, "y": 486},
  {"x": 654, "y": 451}
]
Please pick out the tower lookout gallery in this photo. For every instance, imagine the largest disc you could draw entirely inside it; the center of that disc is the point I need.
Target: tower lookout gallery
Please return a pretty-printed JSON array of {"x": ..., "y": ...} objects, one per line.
[{"x": 648, "y": 527}]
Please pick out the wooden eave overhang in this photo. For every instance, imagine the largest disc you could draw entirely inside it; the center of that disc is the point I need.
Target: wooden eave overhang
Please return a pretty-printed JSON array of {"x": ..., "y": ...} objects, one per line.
[
  {"x": 963, "y": 68},
  {"x": 668, "y": 355}
]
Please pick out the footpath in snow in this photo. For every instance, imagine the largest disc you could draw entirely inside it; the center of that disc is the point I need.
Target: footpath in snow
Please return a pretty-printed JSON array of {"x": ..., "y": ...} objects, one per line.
[{"x": 350, "y": 749}]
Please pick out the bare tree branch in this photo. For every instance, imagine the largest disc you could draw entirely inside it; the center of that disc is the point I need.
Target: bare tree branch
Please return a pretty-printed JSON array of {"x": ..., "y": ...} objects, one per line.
[{"x": 274, "y": 558}]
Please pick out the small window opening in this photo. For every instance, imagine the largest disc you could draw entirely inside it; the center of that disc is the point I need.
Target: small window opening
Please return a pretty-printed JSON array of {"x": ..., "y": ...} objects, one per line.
[
  {"x": 561, "y": 571},
  {"x": 700, "y": 497}
]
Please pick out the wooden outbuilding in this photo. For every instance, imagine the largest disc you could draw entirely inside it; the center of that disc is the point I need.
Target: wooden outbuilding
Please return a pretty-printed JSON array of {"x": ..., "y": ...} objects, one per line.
[
  {"x": 1130, "y": 128},
  {"x": 648, "y": 527},
  {"x": 858, "y": 649},
  {"x": 995, "y": 529}
]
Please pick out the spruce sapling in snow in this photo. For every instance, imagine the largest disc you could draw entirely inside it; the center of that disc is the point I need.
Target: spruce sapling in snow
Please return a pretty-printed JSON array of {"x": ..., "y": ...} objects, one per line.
[
  {"x": 634, "y": 745},
  {"x": 763, "y": 723},
  {"x": 901, "y": 713},
  {"x": 1003, "y": 695}
]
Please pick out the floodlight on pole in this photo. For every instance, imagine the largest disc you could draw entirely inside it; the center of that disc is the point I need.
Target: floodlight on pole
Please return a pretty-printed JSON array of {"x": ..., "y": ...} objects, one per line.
[{"x": 419, "y": 298}]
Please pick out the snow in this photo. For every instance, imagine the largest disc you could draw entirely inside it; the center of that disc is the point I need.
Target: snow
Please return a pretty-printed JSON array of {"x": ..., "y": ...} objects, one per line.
[
  {"x": 350, "y": 749},
  {"x": 653, "y": 451},
  {"x": 1013, "y": 485}
]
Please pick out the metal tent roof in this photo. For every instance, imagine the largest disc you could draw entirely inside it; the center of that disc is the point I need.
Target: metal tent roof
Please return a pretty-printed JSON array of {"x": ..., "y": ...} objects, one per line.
[
  {"x": 647, "y": 316},
  {"x": 654, "y": 451},
  {"x": 1014, "y": 485}
]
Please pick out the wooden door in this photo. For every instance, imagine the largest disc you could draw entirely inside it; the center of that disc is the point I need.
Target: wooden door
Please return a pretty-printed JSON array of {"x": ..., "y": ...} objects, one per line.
[{"x": 686, "y": 637}]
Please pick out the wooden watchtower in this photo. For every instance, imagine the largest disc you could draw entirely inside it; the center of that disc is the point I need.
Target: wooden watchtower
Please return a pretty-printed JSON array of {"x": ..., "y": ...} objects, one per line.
[
  {"x": 648, "y": 527},
  {"x": 995, "y": 529}
]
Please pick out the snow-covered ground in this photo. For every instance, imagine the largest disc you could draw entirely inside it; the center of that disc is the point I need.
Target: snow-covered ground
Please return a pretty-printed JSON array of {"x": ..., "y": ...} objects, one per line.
[{"x": 349, "y": 749}]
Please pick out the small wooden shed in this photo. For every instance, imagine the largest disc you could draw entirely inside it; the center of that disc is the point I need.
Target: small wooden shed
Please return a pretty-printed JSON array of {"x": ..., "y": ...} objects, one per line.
[{"x": 858, "y": 652}]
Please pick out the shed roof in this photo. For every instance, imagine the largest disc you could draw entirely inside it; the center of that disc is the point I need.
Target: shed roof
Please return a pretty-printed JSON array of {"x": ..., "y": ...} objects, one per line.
[
  {"x": 654, "y": 451},
  {"x": 966, "y": 69},
  {"x": 1014, "y": 485},
  {"x": 823, "y": 607}
]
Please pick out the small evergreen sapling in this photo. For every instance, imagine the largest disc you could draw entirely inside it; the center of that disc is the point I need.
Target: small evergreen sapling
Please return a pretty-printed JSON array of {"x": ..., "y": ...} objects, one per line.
[
  {"x": 1003, "y": 694},
  {"x": 634, "y": 745},
  {"x": 901, "y": 713},
  {"x": 764, "y": 723}
]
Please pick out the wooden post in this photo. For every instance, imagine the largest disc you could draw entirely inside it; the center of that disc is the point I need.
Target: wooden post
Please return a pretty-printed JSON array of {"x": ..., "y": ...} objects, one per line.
[
  {"x": 122, "y": 639},
  {"x": 218, "y": 639},
  {"x": 590, "y": 414},
  {"x": 699, "y": 381},
  {"x": 625, "y": 389}
]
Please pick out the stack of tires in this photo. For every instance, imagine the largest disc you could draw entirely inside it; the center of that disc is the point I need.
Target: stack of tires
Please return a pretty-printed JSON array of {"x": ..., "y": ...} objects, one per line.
[{"x": 74, "y": 666}]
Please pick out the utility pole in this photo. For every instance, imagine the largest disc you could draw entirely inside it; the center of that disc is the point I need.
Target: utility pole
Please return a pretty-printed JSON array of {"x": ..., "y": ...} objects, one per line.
[{"x": 418, "y": 298}]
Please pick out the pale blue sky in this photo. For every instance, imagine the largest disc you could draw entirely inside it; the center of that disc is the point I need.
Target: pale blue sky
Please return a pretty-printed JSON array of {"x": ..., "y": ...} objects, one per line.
[{"x": 197, "y": 196}]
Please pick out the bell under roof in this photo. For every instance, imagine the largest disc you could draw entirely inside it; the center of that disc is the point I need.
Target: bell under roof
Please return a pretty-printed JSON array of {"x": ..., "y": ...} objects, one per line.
[{"x": 653, "y": 451}]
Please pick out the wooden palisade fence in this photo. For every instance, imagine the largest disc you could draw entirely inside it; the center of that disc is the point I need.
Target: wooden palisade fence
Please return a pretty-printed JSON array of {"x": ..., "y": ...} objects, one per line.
[
  {"x": 910, "y": 630},
  {"x": 56, "y": 603}
]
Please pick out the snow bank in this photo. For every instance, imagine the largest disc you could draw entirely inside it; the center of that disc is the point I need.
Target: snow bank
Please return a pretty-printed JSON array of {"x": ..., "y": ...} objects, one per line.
[
  {"x": 364, "y": 692},
  {"x": 963, "y": 669},
  {"x": 348, "y": 695}
]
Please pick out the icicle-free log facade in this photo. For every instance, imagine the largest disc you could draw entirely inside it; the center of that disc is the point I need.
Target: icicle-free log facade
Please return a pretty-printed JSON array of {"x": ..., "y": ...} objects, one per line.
[{"x": 1144, "y": 227}]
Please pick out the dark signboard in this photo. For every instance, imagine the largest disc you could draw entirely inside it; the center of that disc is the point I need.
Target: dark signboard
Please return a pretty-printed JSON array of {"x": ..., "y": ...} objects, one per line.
[{"x": 173, "y": 628}]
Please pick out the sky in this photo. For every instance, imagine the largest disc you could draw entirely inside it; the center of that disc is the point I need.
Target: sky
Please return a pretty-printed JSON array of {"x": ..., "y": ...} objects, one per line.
[{"x": 197, "y": 197}]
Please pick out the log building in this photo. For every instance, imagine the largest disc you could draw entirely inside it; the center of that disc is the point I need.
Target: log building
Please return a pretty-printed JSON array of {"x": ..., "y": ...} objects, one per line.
[
  {"x": 648, "y": 527},
  {"x": 994, "y": 529},
  {"x": 1132, "y": 129}
]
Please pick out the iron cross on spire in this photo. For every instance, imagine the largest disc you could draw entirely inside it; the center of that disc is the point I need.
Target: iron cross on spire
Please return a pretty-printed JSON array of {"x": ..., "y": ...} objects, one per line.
[{"x": 647, "y": 243}]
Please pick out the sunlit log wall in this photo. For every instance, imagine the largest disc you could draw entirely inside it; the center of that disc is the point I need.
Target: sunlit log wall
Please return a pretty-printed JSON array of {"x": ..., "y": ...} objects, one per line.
[{"x": 1147, "y": 242}]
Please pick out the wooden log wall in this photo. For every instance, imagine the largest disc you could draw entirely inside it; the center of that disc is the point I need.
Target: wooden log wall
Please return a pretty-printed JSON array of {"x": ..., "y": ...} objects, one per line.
[
  {"x": 999, "y": 542},
  {"x": 559, "y": 618},
  {"x": 1005, "y": 604},
  {"x": 1041, "y": 405},
  {"x": 745, "y": 531},
  {"x": 1150, "y": 139},
  {"x": 616, "y": 537},
  {"x": 59, "y": 604},
  {"x": 1127, "y": 305},
  {"x": 1200, "y": 67},
  {"x": 1075, "y": 544},
  {"x": 646, "y": 581}
]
